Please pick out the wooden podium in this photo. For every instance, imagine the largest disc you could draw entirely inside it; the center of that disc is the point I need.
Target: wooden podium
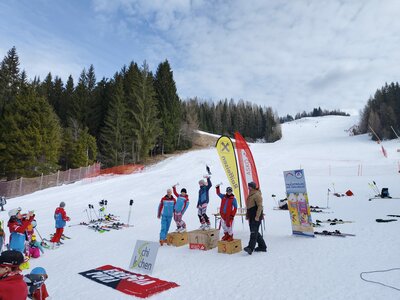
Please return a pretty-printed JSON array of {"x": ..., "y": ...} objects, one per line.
[
  {"x": 232, "y": 247},
  {"x": 203, "y": 239},
  {"x": 177, "y": 239}
]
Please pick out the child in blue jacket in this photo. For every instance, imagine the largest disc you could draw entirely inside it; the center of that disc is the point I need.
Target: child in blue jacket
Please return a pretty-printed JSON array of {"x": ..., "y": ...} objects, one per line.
[
  {"x": 202, "y": 203},
  {"x": 165, "y": 212},
  {"x": 182, "y": 203}
]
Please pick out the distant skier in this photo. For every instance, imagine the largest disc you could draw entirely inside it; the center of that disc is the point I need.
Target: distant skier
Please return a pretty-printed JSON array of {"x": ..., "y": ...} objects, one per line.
[
  {"x": 35, "y": 282},
  {"x": 227, "y": 211},
  {"x": 18, "y": 225},
  {"x": 12, "y": 285},
  {"x": 202, "y": 203},
  {"x": 3, "y": 202},
  {"x": 165, "y": 213},
  {"x": 182, "y": 203},
  {"x": 61, "y": 218}
]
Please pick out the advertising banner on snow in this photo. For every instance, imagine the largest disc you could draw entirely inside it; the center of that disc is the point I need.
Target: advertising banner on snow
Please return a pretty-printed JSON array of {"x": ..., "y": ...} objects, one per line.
[
  {"x": 299, "y": 208},
  {"x": 142, "y": 286},
  {"x": 248, "y": 169},
  {"x": 144, "y": 256},
  {"x": 226, "y": 152}
]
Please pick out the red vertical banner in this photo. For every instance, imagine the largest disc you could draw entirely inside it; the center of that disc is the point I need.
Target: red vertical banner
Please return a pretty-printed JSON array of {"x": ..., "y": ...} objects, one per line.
[{"x": 248, "y": 170}]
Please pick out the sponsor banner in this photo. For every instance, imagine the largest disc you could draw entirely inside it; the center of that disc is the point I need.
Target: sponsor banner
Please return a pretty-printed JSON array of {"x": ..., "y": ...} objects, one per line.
[
  {"x": 299, "y": 208},
  {"x": 138, "y": 285},
  {"x": 248, "y": 170},
  {"x": 144, "y": 256},
  {"x": 226, "y": 152}
]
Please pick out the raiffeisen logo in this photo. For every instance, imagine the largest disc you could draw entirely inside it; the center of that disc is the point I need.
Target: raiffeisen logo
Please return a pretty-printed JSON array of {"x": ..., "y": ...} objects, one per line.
[{"x": 298, "y": 174}]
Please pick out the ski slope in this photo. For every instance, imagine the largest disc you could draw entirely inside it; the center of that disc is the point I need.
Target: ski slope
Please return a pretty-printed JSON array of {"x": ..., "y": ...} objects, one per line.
[{"x": 293, "y": 268}]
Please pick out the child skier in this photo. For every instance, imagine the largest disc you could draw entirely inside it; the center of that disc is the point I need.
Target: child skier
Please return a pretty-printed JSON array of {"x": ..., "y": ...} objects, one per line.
[
  {"x": 35, "y": 282},
  {"x": 165, "y": 212},
  {"x": 202, "y": 203},
  {"x": 227, "y": 211},
  {"x": 182, "y": 203},
  {"x": 17, "y": 225},
  {"x": 35, "y": 248},
  {"x": 60, "y": 216}
]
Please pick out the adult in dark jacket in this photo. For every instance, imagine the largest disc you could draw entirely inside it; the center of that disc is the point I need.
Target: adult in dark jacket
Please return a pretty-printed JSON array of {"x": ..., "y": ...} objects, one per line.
[
  {"x": 12, "y": 285},
  {"x": 254, "y": 215}
]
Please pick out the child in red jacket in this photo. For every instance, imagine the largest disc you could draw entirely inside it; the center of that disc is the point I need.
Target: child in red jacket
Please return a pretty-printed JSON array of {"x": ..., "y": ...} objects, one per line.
[
  {"x": 60, "y": 216},
  {"x": 227, "y": 211},
  {"x": 35, "y": 281}
]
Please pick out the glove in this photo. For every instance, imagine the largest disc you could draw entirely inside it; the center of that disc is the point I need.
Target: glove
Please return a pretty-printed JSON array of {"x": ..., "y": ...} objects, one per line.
[{"x": 257, "y": 219}]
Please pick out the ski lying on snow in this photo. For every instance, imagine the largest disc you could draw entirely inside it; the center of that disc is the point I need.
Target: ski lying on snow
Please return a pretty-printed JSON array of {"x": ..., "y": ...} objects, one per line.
[
  {"x": 337, "y": 221},
  {"x": 318, "y": 207},
  {"x": 333, "y": 233},
  {"x": 375, "y": 198},
  {"x": 320, "y": 211}
]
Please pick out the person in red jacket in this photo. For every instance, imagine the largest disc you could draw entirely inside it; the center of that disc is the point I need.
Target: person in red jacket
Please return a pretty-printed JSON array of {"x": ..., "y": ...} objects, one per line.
[
  {"x": 18, "y": 225},
  {"x": 227, "y": 211},
  {"x": 61, "y": 218},
  {"x": 12, "y": 285}
]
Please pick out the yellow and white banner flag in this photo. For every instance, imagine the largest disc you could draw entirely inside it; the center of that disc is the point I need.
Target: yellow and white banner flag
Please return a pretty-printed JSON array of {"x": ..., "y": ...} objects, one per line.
[{"x": 226, "y": 152}]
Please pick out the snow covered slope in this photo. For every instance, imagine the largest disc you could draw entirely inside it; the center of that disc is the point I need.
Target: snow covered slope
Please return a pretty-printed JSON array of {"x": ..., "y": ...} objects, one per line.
[{"x": 293, "y": 268}]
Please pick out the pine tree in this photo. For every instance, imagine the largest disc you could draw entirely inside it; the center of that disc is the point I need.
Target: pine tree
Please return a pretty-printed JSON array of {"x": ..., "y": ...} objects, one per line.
[
  {"x": 30, "y": 137},
  {"x": 10, "y": 78},
  {"x": 168, "y": 105},
  {"x": 145, "y": 113},
  {"x": 113, "y": 138}
]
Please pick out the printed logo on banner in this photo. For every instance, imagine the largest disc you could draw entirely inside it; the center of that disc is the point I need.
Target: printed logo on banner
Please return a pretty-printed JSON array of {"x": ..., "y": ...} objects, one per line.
[
  {"x": 127, "y": 282},
  {"x": 144, "y": 256}
]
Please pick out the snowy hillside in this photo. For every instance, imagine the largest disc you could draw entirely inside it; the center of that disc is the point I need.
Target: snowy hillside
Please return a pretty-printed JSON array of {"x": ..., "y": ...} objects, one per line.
[{"x": 293, "y": 268}]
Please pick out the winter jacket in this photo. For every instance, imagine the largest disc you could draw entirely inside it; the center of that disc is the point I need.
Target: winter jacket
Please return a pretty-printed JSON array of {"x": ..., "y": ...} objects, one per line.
[
  {"x": 13, "y": 287},
  {"x": 182, "y": 202},
  {"x": 41, "y": 294},
  {"x": 166, "y": 206},
  {"x": 17, "y": 229},
  {"x": 228, "y": 207},
  {"x": 254, "y": 206},
  {"x": 203, "y": 193},
  {"x": 61, "y": 218}
]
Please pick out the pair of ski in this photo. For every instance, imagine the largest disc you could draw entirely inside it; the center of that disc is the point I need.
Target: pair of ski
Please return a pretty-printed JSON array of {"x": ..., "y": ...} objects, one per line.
[
  {"x": 333, "y": 221},
  {"x": 63, "y": 237},
  {"x": 333, "y": 233},
  {"x": 388, "y": 220}
]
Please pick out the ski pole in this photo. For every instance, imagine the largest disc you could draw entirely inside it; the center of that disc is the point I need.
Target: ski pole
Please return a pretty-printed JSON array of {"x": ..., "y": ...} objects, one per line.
[
  {"x": 87, "y": 214},
  {"x": 37, "y": 231},
  {"x": 94, "y": 211},
  {"x": 90, "y": 212},
  {"x": 273, "y": 197},
  {"x": 130, "y": 208}
]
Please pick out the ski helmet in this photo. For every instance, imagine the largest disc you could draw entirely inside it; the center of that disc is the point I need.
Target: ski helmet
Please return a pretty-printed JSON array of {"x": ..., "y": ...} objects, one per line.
[
  {"x": 229, "y": 189},
  {"x": 62, "y": 204},
  {"x": 14, "y": 211},
  {"x": 11, "y": 258},
  {"x": 33, "y": 237},
  {"x": 39, "y": 271}
]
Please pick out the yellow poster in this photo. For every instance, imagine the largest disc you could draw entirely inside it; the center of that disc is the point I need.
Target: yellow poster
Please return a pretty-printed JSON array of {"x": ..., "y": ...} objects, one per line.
[{"x": 227, "y": 156}]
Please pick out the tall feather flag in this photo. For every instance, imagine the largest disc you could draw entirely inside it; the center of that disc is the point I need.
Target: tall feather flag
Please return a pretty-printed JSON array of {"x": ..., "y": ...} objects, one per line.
[
  {"x": 248, "y": 170},
  {"x": 226, "y": 152}
]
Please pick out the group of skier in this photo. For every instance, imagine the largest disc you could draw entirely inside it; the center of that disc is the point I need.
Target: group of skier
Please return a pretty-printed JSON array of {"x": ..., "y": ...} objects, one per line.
[
  {"x": 21, "y": 247},
  {"x": 170, "y": 207}
]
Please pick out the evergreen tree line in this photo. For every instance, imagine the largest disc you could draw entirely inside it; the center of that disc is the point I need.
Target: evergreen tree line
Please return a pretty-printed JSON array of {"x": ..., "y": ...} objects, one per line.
[
  {"x": 47, "y": 125},
  {"x": 225, "y": 117},
  {"x": 316, "y": 112},
  {"x": 382, "y": 112}
]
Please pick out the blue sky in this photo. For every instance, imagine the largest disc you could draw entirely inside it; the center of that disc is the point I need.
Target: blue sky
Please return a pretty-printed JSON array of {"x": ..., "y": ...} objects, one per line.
[{"x": 290, "y": 55}]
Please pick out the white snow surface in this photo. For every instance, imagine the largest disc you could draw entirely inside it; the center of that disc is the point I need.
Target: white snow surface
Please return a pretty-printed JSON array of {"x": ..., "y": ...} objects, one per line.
[{"x": 293, "y": 268}]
